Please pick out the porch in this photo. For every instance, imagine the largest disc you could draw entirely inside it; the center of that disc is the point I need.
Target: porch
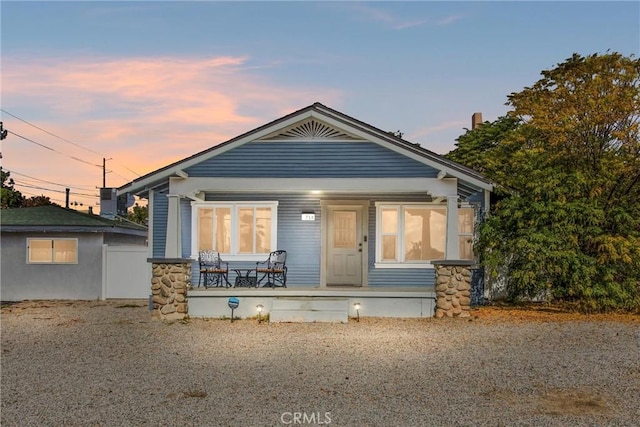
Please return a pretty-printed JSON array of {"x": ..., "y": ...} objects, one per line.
[{"x": 314, "y": 304}]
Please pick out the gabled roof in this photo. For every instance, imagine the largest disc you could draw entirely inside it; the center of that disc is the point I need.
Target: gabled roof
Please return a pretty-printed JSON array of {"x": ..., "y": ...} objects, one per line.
[
  {"x": 56, "y": 218},
  {"x": 347, "y": 127}
]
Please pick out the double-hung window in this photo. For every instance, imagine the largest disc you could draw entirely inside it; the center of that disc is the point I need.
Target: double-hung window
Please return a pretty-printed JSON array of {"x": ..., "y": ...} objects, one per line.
[
  {"x": 413, "y": 235},
  {"x": 410, "y": 234},
  {"x": 52, "y": 251},
  {"x": 238, "y": 230},
  {"x": 466, "y": 218}
]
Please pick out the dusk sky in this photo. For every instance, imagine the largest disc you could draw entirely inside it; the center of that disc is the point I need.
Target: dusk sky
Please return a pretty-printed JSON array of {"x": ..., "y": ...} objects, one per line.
[{"x": 149, "y": 83}]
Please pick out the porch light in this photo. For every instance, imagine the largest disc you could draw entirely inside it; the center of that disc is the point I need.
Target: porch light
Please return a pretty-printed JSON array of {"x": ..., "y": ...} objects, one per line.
[
  {"x": 357, "y": 307},
  {"x": 259, "y": 307}
]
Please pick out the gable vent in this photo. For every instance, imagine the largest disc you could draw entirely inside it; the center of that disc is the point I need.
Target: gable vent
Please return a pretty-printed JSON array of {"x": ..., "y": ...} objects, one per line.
[{"x": 311, "y": 129}]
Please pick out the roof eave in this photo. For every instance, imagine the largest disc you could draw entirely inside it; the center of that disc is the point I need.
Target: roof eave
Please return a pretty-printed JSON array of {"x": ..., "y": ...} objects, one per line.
[{"x": 160, "y": 177}]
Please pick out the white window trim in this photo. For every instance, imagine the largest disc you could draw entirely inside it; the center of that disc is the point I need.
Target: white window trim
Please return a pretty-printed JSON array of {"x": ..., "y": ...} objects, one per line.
[
  {"x": 398, "y": 266},
  {"x": 52, "y": 239},
  {"x": 234, "y": 206},
  {"x": 379, "y": 263},
  {"x": 470, "y": 234}
]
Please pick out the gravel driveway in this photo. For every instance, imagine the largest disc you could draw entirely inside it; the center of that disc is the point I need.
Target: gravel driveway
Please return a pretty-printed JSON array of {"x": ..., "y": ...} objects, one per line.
[{"x": 110, "y": 364}]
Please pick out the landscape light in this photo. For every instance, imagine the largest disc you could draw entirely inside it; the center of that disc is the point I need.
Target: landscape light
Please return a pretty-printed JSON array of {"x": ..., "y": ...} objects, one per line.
[
  {"x": 357, "y": 307},
  {"x": 259, "y": 307}
]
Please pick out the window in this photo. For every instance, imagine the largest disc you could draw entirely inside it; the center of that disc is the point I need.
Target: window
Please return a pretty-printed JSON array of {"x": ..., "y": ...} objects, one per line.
[
  {"x": 239, "y": 230},
  {"x": 411, "y": 234},
  {"x": 52, "y": 251},
  {"x": 465, "y": 232}
]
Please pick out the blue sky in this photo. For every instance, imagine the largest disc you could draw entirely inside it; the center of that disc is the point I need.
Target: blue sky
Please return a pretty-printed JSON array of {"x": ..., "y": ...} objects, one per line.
[{"x": 149, "y": 83}]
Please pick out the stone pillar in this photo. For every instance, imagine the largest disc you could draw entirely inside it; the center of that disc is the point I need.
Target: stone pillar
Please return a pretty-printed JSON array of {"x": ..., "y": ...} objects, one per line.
[
  {"x": 453, "y": 288},
  {"x": 170, "y": 281}
]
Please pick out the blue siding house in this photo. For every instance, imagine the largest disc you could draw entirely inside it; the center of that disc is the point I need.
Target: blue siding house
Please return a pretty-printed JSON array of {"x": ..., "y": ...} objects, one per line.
[{"x": 359, "y": 211}]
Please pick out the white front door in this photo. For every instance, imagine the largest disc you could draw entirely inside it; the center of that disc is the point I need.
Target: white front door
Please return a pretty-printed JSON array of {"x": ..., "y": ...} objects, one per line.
[{"x": 344, "y": 245}]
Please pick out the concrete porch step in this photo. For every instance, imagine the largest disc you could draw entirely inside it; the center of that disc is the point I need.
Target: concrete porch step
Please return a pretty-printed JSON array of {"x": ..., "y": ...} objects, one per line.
[{"x": 301, "y": 310}]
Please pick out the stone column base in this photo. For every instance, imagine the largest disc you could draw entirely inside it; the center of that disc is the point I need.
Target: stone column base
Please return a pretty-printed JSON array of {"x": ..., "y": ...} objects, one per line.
[
  {"x": 171, "y": 278},
  {"x": 453, "y": 288}
]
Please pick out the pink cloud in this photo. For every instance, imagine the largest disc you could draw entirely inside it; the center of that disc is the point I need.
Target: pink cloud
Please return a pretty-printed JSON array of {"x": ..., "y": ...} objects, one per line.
[
  {"x": 144, "y": 113},
  {"x": 453, "y": 124}
]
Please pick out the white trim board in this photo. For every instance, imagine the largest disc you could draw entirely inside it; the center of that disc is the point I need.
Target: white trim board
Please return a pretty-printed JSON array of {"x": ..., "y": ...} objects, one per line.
[{"x": 190, "y": 187}]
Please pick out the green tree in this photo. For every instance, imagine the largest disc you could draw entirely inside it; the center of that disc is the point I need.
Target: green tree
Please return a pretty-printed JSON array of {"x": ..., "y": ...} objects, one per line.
[
  {"x": 569, "y": 226},
  {"x": 473, "y": 149},
  {"x": 139, "y": 214},
  {"x": 9, "y": 196},
  {"x": 41, "y": 200}
]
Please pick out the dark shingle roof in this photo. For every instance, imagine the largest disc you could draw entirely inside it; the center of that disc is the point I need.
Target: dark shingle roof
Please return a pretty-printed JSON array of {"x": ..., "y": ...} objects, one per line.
[{"x": 59, "y": 218}]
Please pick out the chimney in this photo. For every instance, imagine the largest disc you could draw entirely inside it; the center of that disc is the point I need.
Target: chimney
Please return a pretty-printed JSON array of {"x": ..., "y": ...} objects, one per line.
[{"x": 476, "y": 120}]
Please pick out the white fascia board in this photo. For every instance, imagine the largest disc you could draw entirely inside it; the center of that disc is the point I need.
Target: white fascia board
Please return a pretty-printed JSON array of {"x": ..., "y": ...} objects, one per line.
[{"x": 190, "y": 187}]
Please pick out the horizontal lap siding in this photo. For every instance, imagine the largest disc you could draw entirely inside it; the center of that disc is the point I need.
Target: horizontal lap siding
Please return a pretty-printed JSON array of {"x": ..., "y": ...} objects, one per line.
[
  {"x": 160, "y": 211},
  {"x": 311, "y": 160},
  {"x": 402, "y": 277},
  {"x": 185, "y": 227},
  {"x": 301, "y": 239}
]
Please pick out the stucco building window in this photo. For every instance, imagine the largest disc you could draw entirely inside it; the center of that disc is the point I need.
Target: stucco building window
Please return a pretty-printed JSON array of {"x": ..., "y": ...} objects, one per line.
[{"x": 52, "y": 251}]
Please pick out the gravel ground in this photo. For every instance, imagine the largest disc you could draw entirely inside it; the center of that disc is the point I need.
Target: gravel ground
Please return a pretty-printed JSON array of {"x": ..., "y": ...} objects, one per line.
[{"x": 110, "y": 364}]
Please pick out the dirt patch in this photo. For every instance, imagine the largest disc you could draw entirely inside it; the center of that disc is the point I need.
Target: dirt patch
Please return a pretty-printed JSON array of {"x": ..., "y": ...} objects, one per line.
[
  {"x": 545, "y": 313},
  {"x": 573, "y": 402}
]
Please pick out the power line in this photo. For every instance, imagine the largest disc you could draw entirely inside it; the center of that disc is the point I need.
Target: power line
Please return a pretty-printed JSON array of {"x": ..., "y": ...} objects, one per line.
[
  {"x": 37, "y": 195},
  {"x": 93, "y": 196},
  {"x": 50, "y": 133},
  {"x": 65, "y": 140},
  {"x": 62, "y": 202},
  {"x": 54, "y": 150},
  {"x": 86, "y": 187}
]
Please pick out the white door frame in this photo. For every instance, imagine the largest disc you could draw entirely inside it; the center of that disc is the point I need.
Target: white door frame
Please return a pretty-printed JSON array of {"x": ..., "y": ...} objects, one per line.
[{"x": 324, "y": 228}]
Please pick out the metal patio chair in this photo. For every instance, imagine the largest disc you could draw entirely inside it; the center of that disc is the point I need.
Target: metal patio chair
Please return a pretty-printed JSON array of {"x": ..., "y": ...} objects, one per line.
[
  {"x": 214, "y": 272},
  {"x": 274, "y": 269}
]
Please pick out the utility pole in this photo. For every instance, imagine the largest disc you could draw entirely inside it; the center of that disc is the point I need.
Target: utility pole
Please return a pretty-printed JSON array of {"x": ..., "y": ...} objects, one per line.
[
  {"x": 104, "y": 172},
  {"x": 3, "y": 135}
]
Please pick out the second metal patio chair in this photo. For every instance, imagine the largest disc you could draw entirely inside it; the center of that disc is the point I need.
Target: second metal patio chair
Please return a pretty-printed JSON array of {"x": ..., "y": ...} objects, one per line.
[{"x": 274, "y": 269}]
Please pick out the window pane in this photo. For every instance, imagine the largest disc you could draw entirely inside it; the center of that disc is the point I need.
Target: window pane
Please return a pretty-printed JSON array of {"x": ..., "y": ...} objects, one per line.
[
  {"x": 389, "y": 221},
  {"x": 205, "y": 229},
  {"x": 466, "y": 247},
  {"x": 344, "y": 229},
  {"x": 389, "y": 248},
  {"x": 223, "y": 230},
  {"x": 65, "y": 251},
  {"x": 424, "y": 233},
  {"x": 263, "y": 230},
  {"x": 245, "y": 224},
  {"x": 40, "y": 251},
  {"x": 465, "y": 220}
]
